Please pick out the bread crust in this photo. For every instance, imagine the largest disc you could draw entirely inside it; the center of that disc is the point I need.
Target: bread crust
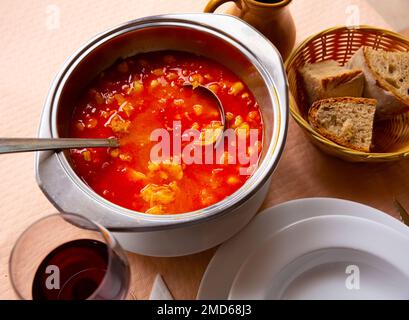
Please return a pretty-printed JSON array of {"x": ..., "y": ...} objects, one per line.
[
  {"x": 312, "y": 118},
  {"x": 390, "y": 103},
  {"x": 341, "y": 78},
  {"x": 345, "y": 82}
]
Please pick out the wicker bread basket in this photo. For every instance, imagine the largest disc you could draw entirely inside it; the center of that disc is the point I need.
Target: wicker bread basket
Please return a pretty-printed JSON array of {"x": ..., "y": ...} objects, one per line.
[{"x": 391, "y": 137}]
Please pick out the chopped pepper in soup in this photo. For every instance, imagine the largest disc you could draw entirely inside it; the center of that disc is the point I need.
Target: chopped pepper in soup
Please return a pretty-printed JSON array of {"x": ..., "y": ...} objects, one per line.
[{"x": 147, "y": 92}]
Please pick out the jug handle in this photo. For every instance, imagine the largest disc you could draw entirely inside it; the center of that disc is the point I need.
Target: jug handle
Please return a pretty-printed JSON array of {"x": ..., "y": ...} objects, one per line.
[{"x": 214, "y": 4}]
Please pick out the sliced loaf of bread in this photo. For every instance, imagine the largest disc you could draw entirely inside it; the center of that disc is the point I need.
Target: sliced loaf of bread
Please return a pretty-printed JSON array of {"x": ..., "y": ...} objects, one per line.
[
  {"x": 327, "y": 79},
  {"x": 386, "y": 79},
  {"x": 348, "y": 121}
]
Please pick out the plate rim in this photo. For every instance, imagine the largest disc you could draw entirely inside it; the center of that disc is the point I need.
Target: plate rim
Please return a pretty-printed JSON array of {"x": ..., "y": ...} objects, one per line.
[
  {"x": 206, "y": 288},
  {"x": 312, "y": 245}
]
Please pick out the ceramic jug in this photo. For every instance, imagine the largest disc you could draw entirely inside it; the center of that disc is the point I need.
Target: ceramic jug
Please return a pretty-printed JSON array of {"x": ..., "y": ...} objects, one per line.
[{"x": 271, "y": 17}]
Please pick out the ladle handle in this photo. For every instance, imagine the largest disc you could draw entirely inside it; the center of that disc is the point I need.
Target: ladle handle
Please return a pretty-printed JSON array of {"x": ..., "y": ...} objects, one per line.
[{"x": 13, "y": 145}]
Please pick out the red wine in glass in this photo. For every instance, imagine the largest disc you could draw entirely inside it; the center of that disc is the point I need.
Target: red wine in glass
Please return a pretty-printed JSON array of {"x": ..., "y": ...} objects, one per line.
[
  {"x": 66, "y": 256},
  {"x": 78, "y": 270}
]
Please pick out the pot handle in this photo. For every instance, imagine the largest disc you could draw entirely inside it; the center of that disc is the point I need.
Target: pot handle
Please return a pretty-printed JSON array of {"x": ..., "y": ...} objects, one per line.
[{"x": 212, "y": 5}]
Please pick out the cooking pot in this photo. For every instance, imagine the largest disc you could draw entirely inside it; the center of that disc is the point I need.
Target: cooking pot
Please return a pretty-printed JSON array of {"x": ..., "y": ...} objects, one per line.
[{"x": 225, "y": 39}]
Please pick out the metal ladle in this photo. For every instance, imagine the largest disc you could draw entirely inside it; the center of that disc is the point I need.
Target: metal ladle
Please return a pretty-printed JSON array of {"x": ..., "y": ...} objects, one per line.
[
  {"x": 207, "y": 92},
  {"x": 13, "y": 145}
]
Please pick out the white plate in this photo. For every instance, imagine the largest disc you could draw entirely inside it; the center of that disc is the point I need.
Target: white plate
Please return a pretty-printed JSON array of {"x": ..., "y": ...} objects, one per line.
[
  {"x": 310, "y": 259},
  {"x": 223, "y": 267}
]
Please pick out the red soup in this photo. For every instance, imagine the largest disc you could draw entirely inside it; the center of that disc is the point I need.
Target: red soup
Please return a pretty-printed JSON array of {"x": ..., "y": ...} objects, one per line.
[{"x": 147, "y": 92}]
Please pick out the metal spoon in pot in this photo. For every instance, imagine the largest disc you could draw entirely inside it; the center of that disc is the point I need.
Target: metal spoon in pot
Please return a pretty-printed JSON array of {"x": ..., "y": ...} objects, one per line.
[
  {"x": 13, "y": 145},
  {"x": 205, "y": 91}
]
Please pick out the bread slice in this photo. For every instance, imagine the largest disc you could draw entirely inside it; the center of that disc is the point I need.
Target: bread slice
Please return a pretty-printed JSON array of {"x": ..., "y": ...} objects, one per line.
[
  {"x": 347, "y": 121},
  {"x": 327, "y": 79},
  {"x": 386, "y": 77}
]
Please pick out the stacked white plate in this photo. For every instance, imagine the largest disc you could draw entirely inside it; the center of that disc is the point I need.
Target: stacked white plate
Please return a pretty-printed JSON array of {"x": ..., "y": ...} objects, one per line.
[{"x": 315, "y": 248}]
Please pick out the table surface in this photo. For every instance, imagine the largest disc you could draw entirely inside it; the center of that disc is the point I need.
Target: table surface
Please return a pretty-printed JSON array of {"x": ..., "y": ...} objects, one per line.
[{"x": 37, "y": 39}]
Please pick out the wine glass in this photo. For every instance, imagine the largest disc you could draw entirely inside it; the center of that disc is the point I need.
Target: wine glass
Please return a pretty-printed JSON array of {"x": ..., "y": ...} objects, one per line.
[{"x": 68, "y": 257}]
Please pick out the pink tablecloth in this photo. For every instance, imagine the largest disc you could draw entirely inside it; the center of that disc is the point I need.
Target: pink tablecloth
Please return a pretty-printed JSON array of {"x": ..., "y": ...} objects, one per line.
[{"x": 37, "y": 36}]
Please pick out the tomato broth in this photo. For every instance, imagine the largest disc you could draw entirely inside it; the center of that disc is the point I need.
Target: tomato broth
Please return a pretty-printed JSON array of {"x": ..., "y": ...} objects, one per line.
[{"x": 146, "y": 92}]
